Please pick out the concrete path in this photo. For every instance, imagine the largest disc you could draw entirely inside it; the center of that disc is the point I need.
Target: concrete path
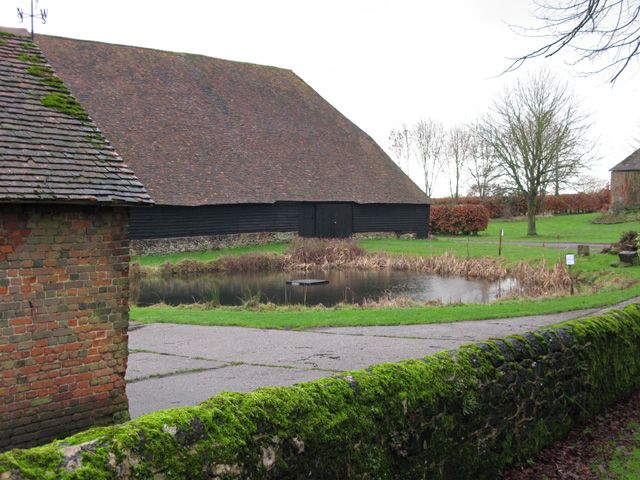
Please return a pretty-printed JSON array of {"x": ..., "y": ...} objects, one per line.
[{"x": 173, "y": 365}]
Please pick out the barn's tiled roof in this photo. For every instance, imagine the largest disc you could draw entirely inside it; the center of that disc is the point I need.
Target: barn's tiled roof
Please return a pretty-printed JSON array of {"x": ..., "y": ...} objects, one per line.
[
  {"x": 203, "y": 131},
  {"x": 632, "y": 162},
  {"x": 50, "y": 150}
]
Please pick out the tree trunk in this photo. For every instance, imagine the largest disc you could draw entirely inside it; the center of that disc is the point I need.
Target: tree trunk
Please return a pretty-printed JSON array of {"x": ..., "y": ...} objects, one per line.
[{"x": 531, "y": 216}]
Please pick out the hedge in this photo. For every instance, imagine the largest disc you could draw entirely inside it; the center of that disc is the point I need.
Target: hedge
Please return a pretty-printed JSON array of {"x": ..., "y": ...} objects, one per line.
[
  {"x": 508, "y": 206},
  {"x": 468, "y": 413},
  {"x": 458, "y": 219}
]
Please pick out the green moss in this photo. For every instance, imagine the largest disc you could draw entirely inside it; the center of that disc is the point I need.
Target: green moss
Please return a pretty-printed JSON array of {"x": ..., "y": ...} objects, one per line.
[
  {"x": 64, "y": 103},
  {"x": 7, "y": 35},
  {"x": 60, "y": 98},
  {"x": 96, "y": 140},
  {"x": 29, "y": 58}
]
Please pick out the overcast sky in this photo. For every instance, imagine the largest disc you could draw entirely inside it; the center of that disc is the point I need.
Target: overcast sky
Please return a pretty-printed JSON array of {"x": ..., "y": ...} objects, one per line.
[{"x": 381, "y": 63}]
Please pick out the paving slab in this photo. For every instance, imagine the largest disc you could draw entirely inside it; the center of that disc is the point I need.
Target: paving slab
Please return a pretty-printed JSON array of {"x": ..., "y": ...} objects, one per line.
[
  {"x": 192, "y": 388},
  {"x": 302, "y": 349},
  {"x": 144, "y": 365}
]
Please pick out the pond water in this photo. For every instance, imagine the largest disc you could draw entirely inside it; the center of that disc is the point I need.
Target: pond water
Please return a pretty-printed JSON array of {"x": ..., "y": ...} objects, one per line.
[{"x": 349, "y": 286}]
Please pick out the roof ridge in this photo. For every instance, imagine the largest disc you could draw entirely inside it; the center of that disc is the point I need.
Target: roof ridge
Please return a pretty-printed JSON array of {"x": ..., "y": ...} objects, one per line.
[{"x": 160, "y": 50}]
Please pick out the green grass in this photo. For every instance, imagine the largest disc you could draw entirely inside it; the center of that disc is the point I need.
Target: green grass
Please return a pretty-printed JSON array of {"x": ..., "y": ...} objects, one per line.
[
  {"x": 157, "y": 260},
  {"x": 462, "y": 247},
  {"x": 313, "y": 318},
  {"x": 559, "y": 228},
  {"x": 625, "y": 464}
]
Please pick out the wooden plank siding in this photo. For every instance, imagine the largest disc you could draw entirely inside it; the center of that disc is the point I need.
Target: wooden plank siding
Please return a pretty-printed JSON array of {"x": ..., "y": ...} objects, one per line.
[{"x": 164, "y": 221}]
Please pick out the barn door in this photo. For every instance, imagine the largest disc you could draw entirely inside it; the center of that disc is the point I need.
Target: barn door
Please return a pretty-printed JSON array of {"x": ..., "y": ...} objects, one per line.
[{"x": 334, "y": 220}]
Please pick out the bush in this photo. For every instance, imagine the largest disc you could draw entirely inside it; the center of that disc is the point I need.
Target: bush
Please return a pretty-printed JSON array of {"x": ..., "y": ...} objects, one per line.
[{"x": 458, "y": 219}]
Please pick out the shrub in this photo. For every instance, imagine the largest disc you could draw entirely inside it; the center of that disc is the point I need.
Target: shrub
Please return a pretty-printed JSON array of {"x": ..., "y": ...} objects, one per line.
[
  {"x": 516, "y": 205},
  {"x": 458, "y": 219}
]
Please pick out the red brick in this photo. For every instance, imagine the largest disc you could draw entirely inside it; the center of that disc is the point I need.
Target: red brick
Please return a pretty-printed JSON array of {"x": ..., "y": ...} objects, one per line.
[{"x": 56, "y": 391}]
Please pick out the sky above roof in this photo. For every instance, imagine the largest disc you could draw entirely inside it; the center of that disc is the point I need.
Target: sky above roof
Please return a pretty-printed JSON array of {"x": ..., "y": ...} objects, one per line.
[{"x": 381, "y": 63}]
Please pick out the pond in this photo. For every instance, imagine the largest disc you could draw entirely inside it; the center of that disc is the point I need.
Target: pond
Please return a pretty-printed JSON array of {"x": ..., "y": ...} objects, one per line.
[{"x": 349, "y": 286}]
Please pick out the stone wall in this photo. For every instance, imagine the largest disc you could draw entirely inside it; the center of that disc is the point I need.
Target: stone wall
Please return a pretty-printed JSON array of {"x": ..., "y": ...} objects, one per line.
[
  {"x": 374, "y": 235},
  {"x": 469, "y": 413},
  {"x": 625, "y": 190},
  {"x": 160, "y": 246},
  {"x": 63, "y": 320}
]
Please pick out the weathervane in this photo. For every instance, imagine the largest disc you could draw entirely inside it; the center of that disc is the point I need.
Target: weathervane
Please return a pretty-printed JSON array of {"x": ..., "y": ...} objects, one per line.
[{"x": 40, "y": 16}]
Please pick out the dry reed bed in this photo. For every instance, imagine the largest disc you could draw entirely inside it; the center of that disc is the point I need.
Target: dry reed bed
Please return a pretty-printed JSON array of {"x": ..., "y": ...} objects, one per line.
[{"x": 314, "y": 254}]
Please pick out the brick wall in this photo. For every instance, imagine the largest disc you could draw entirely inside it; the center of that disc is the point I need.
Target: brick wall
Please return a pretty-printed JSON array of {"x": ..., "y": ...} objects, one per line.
[
  {"x": 625, "y": 189},
  {"x": 63, "y": 320}
]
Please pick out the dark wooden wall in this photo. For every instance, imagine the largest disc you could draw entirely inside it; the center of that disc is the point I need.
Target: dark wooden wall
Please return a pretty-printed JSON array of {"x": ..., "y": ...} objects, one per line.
[{"x": 308, "y": 219}]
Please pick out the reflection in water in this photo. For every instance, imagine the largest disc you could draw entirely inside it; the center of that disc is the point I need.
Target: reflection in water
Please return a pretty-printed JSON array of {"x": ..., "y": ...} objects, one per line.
[{"x": 349, "y": 286}]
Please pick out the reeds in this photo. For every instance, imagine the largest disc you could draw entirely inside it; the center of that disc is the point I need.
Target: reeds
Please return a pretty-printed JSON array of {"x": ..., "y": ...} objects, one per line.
[{"x": 317, "y": 252}]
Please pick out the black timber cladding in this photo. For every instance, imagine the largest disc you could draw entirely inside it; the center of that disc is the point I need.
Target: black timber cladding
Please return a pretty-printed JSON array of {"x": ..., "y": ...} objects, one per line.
[{"x": 174, "y": 221}]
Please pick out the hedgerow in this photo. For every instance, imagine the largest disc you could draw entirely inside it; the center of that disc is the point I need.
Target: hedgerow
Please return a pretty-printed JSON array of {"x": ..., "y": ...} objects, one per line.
[
  {"x": 509, "y": 206},
  {"x": 458, "y": 219}
]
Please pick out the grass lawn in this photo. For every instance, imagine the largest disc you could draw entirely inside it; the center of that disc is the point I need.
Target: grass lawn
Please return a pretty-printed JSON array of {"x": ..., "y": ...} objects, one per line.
[
  {"x": 156, "y": 260},
  {"x": 570, "y": 228},
  {"x": 625, "y": 464},
  {"x": 559, "y": 228}
]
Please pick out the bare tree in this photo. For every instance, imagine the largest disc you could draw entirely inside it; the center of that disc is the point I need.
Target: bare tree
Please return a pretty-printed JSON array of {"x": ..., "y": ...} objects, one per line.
[
  {"x": 482, "y": 167},
  {"x": 596, "y": 30},
  {"x": 538, "y": 135},
  {"x": 458, "y": 149},
  {"x": 401, "y": 146},
  {"x": 591, "y": 184},
  {"x": 429, "y": 140}
]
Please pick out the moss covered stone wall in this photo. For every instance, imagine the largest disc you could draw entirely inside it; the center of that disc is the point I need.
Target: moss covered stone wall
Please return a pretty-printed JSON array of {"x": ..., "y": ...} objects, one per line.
[{"x": 469, "y": 413}]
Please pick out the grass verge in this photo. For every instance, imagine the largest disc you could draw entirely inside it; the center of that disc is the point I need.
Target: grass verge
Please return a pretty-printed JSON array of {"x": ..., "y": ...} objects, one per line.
[
  {"x": 342, "y": 317},
  {"x": 558, "y": 228}
]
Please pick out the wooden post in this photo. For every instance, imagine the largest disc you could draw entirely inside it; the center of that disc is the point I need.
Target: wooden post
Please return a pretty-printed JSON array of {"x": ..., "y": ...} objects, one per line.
[
  {"x": 500, "y": 242},
  {"x": 571, "y": 277}
]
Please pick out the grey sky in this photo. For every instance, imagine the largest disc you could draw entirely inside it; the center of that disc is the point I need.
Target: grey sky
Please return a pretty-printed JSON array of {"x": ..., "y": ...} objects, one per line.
[{"x": 381, "y": 63}]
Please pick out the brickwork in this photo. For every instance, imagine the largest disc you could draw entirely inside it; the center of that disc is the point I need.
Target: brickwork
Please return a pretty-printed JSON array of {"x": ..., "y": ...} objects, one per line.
[
  {"x": 63, "y": 320},
  {"x": 625, "y": 189}
]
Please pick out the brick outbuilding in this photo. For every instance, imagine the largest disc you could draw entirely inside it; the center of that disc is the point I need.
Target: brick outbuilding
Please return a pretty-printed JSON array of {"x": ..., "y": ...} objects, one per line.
[
  {"x": 64, "y": 255},
  {"x": 625, "y": 183}
]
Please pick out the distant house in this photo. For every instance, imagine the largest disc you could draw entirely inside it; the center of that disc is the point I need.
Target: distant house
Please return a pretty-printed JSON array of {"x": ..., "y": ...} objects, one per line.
[
  {"x": 235, "y": 148},
  {"x": 625, "y": 183},
  {"x": 64, "y": 254}
]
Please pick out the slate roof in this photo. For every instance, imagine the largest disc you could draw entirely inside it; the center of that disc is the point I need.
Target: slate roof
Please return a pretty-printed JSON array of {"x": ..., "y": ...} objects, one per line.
[
  {"x": 50, "y": 150},
  {"x": 204, "y": 131},
  {"x": 632, "y": 162}
]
